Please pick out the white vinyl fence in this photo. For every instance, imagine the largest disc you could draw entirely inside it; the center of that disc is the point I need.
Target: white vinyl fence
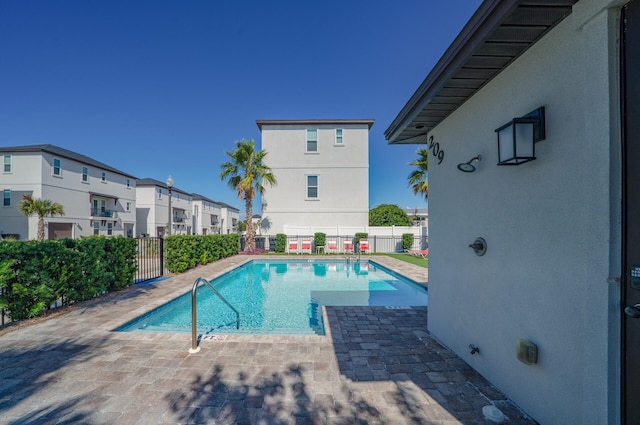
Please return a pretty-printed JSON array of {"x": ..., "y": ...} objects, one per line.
[{"x": 381, "y": 239}]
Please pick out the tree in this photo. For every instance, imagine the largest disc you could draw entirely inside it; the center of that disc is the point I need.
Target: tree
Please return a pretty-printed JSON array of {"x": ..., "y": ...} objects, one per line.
[
  {"x": 246, "y": 173},
  {"x": 42, "y": 208},
  {"x": 418, "y": 179},
  {"x": 388, "y": 215}
]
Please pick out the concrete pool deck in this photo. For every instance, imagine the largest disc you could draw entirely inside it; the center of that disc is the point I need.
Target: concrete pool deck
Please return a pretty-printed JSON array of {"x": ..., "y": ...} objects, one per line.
[{"x": 374, "y": 366}]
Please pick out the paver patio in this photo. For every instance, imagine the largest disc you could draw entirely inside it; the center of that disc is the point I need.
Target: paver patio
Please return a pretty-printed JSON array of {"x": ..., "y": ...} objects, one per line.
[{"x": 375, "y": 366}]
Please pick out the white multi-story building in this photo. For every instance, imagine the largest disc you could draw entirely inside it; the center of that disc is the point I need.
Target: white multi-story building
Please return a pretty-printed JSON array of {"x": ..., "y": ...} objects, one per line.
[
  {"x": 322, "y": 170},
  {"x": 229, "y": 218},
  {"x": 97, "y": 199},
  {"x": 153, "y": 209},
  {"x": 206, "y": 215}
]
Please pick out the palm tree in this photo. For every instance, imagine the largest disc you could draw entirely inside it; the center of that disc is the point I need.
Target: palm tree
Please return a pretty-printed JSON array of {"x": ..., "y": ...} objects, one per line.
[
  {"x": 418, "y": 179},
  {"x": 245, "y": 174},
  {"x": 42, "y": 208}
]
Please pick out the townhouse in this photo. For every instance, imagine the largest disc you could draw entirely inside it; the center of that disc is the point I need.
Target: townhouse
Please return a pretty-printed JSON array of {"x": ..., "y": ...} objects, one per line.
[
  {"x": 206, "y": 214},
  {"x": 162, "y": 207},
  {"x": 97, "y": 198}
]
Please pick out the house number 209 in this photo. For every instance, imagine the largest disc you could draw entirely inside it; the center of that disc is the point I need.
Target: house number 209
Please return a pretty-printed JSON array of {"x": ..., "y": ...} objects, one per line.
[{"x": 435, "y": 150}]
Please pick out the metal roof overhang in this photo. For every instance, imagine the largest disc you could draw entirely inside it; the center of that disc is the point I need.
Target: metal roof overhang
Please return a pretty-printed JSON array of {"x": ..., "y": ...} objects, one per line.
[
  {"x": 103, "y": 195},
  {"x": 497, "y": 33}
]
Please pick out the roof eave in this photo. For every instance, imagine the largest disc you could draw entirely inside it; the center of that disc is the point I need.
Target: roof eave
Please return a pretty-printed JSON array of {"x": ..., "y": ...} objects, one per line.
[
  {"x": 486, "y": 21},
  {"x": 368, "y": 123}
]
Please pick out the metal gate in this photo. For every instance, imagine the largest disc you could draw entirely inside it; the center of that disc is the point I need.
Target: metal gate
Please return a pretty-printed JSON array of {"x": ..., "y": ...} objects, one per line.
[{"x": 150, "y": 257}]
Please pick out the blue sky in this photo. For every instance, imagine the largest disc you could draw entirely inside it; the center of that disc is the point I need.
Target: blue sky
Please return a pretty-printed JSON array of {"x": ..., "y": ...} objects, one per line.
[{"x": 166, "y": 87}]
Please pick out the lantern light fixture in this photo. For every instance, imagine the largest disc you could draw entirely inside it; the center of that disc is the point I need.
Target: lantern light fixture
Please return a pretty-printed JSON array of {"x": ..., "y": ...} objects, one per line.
[{"x": 517, "y": 138}]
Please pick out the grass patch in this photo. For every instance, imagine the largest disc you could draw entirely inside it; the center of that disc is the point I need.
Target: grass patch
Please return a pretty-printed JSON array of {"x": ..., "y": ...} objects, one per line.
[{"x": 418, "y": 261}]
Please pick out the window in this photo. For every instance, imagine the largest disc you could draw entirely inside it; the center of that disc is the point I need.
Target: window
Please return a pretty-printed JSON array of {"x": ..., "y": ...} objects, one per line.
[
  {"x": 312, "y": 140},
  {"x": 128, "y": 206},
  {"x": 338, "y": 136},
  {"x": 96, "y": 228},
  {"x": 128, "y": 183},
  {"x": 109, "y": 228},
  {"x": 104, "y": 177},
  {"x": 56, "y": 167},
  {"x": 159, "y": 193},
  {"x": 6, "y": 197},
  {"x": 7, "y": 163},
  {"x": 85, "y": 174},
  {"x": 312, "y": 187}
]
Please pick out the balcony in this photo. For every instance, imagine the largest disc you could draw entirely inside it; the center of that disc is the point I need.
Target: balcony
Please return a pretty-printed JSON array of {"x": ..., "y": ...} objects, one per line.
[
  {"x": 178, "y": 219},
  {"x": 103, "y": 213}
]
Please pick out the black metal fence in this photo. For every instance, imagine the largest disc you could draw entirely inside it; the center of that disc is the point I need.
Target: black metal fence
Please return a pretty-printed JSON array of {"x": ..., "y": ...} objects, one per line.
[{"x": 150, "y": 259}]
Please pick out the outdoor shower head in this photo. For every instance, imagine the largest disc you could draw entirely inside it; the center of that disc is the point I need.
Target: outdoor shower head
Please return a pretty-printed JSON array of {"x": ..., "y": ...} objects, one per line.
[{"x": 468, "y": 167}]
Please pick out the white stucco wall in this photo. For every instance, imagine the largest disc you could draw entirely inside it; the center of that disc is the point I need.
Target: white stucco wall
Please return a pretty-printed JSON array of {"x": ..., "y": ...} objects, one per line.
[
  {"x": 342, "y": 170},
  {"x": 24, "y": 179},
  {"x": 147, "y": 215},
  {"x": 548, "y": 225}
]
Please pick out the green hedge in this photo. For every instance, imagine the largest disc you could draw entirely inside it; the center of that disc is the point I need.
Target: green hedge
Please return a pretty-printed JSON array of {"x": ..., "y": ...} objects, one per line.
[
  {"x": 183, "y": 252},
  {"x": 407, "y": 241},
  {"x": 319, "y": 239},
  {"x": 69, "y": 270},
  {"x": 281, "y": 242},
  {"x": 361, "y": 235}
]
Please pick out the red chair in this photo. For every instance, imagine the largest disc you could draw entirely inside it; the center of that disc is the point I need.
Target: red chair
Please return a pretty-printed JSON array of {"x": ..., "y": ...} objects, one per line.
[
  {"x": 364, "y": 245},
  {"x": 347, "y": 246},
  {"x": 293, "y": 246},
  {"x": 306, "y": 246},
  {"x": 332, "y": 246}
]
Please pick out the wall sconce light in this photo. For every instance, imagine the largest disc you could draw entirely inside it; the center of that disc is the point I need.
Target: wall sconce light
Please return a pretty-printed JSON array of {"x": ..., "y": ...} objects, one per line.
[
  {"x": 516, "y": 139},
  {"x": 468, "y": 167}
]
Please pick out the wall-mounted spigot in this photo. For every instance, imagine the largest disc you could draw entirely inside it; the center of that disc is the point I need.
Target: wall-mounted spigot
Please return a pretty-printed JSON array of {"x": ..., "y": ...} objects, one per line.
[
  {"x": 479, "y": 246},
  {"x": 473, "y": 349}
]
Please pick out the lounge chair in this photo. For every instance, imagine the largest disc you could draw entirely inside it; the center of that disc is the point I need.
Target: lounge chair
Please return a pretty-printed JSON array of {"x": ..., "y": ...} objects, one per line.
[
  {"x": 364, "y": 246},
  {"x": 293, "y": 246},
  {"x": 424, "y": 253},
  {"x": 348, "y": 246},
  {"x": 306, "y": 246},
  {"x": 332, "y": 246}
]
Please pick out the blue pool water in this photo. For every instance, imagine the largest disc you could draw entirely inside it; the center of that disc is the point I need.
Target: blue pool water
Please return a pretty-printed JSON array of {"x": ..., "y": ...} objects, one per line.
[{"x": 276, "y": 297}]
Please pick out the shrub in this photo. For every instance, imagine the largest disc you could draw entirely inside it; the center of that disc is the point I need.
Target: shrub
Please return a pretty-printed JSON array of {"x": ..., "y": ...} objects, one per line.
[
  {"x": 319, "y": 239},
  {"x": 407, "y": 241},
  {"x": 281, "y": 242},
  {"x": 67, "y": 270},
  {"x": 361, "y": 236},
  {"x": 388, "y": 215},
  {"x": 183, "y": 252}
]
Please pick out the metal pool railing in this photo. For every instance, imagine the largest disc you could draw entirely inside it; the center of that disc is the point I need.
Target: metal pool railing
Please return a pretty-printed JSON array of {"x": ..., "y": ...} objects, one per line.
[{"x": 194, "y": 337}]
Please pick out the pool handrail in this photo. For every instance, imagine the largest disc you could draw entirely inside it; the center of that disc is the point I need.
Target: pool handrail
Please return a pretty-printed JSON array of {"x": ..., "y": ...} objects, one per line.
[{"x": 194, "y": 337}]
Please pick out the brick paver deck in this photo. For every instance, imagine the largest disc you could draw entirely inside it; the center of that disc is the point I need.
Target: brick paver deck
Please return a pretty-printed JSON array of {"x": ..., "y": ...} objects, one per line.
[{"x": 374, "y": 366}]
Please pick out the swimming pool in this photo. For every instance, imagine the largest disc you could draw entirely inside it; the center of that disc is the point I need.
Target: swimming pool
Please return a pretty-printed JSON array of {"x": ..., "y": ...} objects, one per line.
[{"x": 282, "y": 297}]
